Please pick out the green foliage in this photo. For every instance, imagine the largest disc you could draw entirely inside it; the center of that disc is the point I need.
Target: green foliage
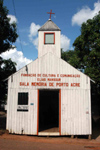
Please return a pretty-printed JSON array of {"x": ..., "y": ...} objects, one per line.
[
  {"x": 7, "y": 67},
  {"x": 86, "y": 53},
  {"x": 87, "y": 48},
  {"x": 71, "y": 57},
  {"x": 8, "y": 33},
  {"x": 8, "y": 36}
]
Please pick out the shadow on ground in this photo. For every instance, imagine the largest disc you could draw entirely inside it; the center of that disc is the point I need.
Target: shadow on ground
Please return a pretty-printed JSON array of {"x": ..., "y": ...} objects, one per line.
[
  {"x": 96, "y": 129},
  {"x": 2, "y": 122}
]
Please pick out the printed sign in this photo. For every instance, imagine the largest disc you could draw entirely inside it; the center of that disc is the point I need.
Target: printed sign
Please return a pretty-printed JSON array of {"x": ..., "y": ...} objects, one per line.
[
  {"x": 22, "y": 108},
  {"x": 51, "y": 80}
]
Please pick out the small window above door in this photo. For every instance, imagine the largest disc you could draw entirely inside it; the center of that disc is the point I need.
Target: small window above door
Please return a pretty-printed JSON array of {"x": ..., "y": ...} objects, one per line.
[{"x": 49, "y": 38}]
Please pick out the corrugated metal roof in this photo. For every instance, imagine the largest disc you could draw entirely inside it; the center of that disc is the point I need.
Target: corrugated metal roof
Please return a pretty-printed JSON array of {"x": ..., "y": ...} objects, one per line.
[{"x": 49, "y": 26}]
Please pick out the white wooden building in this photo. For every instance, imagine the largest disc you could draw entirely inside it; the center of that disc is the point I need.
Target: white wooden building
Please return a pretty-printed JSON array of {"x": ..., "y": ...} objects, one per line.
[{"x": 49, "y": 96}]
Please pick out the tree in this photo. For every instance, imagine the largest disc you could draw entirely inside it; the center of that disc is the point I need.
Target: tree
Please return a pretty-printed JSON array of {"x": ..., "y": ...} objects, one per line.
[
  {"x": 7, "y": 67},
  {"x": 8, "y": 36},
  {"x": 87, "y": 48},
  {"x": 71, "y": 57},
  {"x": 86, "y": 53},
  {"x": 8, "y": 33}
]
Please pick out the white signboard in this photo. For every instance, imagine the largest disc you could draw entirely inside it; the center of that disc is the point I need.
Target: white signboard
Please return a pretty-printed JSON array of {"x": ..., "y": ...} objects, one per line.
[{"x": 22, "y": 108}]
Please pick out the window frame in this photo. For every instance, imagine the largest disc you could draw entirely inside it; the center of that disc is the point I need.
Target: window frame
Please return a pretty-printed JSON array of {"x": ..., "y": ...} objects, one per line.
[
  {"x": 53, "y": 38},
  {"x": 20, "y": 105},
  {"x": 22, "y": 96}
]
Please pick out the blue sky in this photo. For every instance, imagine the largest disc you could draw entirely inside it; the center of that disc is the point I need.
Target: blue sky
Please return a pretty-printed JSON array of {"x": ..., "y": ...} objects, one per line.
[{"x": 31, "y": 14}]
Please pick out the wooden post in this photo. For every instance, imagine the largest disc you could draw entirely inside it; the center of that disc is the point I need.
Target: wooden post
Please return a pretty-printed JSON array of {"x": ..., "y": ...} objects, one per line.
[
  {"x": 76, "y": 136},
  {"x": 89, "y": 137},
  {"x": 72, "y": 136}
]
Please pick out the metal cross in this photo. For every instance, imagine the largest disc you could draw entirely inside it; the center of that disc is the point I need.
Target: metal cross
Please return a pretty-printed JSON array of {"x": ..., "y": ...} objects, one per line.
[{"x": 50, "y": 13}]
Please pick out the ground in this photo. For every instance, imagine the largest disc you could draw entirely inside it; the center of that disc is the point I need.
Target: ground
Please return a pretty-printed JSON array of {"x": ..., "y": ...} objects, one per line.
[{"x": 15, "y": 142}]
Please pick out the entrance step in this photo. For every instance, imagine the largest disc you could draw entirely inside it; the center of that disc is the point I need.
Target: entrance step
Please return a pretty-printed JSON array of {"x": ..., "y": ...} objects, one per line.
[{"x": 48, "y": 133}]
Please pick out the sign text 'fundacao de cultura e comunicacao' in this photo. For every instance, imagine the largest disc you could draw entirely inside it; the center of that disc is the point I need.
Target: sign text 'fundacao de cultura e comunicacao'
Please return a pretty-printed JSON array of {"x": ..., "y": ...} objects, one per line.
[{"x": 50, "y": 80}]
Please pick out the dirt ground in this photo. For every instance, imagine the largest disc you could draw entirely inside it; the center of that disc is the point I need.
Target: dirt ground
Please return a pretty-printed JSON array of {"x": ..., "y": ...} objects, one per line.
[
  {"x": 6, "y": 144},
  {"x": 80, "y": 142},
  {"x": 15, "y": 142}
]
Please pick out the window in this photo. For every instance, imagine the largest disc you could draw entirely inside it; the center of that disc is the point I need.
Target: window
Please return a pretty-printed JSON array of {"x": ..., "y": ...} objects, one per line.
[
  {"x": 22, "y": 98},
  {"x": 22, "y": 102},
  {"x": 49, "y": 38}
]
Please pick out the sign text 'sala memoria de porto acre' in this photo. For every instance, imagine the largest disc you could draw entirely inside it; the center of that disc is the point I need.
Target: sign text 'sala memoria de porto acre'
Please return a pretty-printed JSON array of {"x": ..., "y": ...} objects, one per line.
[{"x": 49, "y": 96}]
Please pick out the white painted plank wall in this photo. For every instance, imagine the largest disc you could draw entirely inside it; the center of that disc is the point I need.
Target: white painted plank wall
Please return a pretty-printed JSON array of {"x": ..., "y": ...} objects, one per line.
[
  {"x": 75, "y": 101},
  {"x": 54, "y": 49},
  {"x": 74, "y": 107},
  {"x": 16, "y": 120},
  {"x": 49, "y": 65}
]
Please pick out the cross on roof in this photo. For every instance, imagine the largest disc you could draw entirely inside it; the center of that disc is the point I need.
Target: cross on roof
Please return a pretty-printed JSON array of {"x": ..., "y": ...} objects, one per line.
[{"x": 50, "y": 13}]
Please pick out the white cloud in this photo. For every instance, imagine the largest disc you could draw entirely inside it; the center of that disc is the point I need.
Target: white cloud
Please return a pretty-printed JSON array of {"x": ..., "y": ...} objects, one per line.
[
  {"x": 85, "y": 13},
  {"x": 12, "y": 18},
  {"x": 33, "y": 29},
  {"x": 65, "y": 42},
  {"x": 16, "y": 56},
  {"x": 33, "y": 34},
  {"x": 35, "y": 42}
]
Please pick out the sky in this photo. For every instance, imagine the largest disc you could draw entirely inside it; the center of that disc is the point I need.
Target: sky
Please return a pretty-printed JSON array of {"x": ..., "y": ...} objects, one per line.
[{"x": 30, "y": 15}]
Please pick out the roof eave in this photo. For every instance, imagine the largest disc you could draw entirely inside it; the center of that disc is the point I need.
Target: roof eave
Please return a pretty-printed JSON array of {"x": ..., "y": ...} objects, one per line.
[
  {"x": 92, "y": 80},
  {"x": 49, "y": 30}
]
